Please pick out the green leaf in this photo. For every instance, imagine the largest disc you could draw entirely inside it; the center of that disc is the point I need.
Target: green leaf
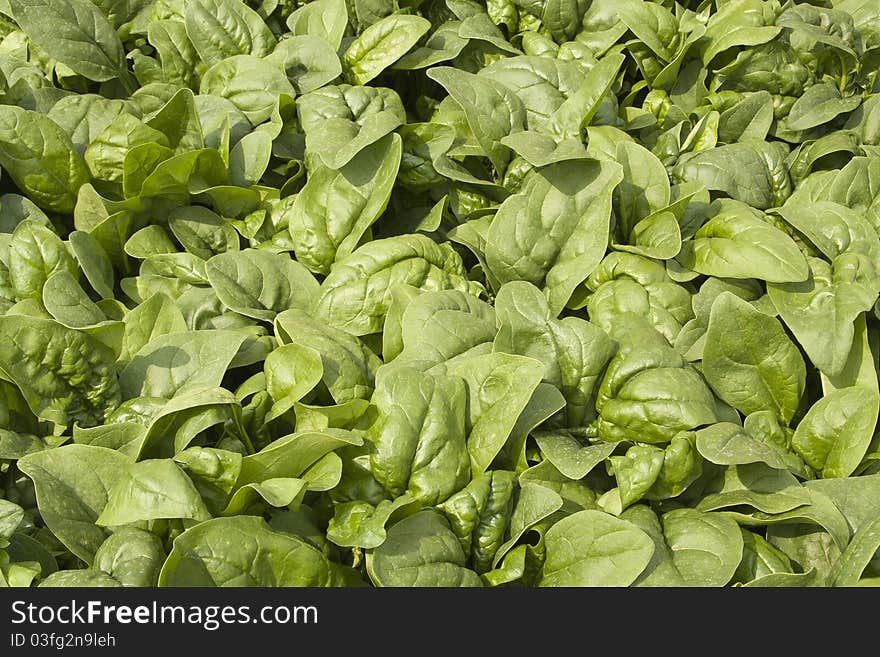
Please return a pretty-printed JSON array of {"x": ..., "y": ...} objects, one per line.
[
  {"x": 72, "y": 484},
  {"x": 154, "y": 317},
  {"x": 822, "y": 310},
  {"x": 419, "y": 438},
  {"x": 36, "y": 253},
  {"x": 40, "y": 158},
  {"x": 78, "y": 35},
  {"x": 382, "y": 44},
  {"x": 819, "y": 104},
  {"x": 571, "y": 458},
  {"x": 94, "y": 262},
  {"x": 420, "y": 550},
  {"x": 220, "y": 29},
  {"x": 349, "y": 366},
  {"x": 749, "y": 360},
  {"x": 291, "y": 455},
  {"x": 150, "y": 490},
  {"x": 739, "y": 170},
  {"x": 499, "y": 388},
  {"x": 834, "y": 435},
  {"x": 82, "y": 578},
  {"x": 644, "y": 188},
  {"x": 291, "y": 370},
  {"x": 726, "y": 443},
  {"x": 252, "y": 84},
  {"x": 66, "y": 376},
  {"x": 692, "y": 548},
  {"x": 131, "y": 556},
  {"x": 173, "y": 363},
  {"x": 326, "y": 19},
  {"x": 68, "y": 303},
  {"x": 573, "y": 351},
  {"x": 858, "y": 554},
  {"x": 309, "y": 61},
  {"x": 342, "y": 120},
  {"x": 426, "y": 342},
  {"x": 357, "y": 292},
  {"x": 260, "y": 284},
  {"x": 592, "y": 548},
  {"x": 260, "y": 557},
  {"x": 491, "y": 109},
  {"x": 739, "y": 245},
  {"x": 337, "y": 206},
  {"x": 555, "y": 231},
  {"x": 363, "y": 525}
]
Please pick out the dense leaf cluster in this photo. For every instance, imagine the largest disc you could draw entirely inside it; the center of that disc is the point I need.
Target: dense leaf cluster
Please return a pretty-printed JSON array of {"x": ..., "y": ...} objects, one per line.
[{"x": 439, "y": 292}]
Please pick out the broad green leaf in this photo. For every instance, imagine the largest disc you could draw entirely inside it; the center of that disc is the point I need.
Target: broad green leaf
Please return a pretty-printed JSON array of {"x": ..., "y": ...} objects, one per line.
[
  {"x": 749, "y": 360},
  {"x": 382, "y": 44},
  {"x": 592, "y": 548},
  {"x": 252, "y": 84},
  {"x": 326, "y": 19},
  {"x": 726, "y": 443},
  {"x": 492, "y": 110},
  {"x": 756, "y": 485},
  {"x": 175, "y": 52},
  {"x": 555, "y": 231},
  {"x": 243, "y": 551},
  {"x": 570, "y": 457},
  {"x": 479, "y": 515},
  {"x": 534, "y": 504},
  {"x": 291, "y": 370},
  {"x": 35, "y": 253},
  {"x": 309, "y": 61},
  {"x": 154, "y": 317},
  {"x": 738, "y": 23},
  {"x": 66, "y": 376},
  {"x": 202, "y": 232},
  {"x": 573, "y": 351},
  {"x": 172, "y": 363},
  {"x": 131, "y": 556},
  {"x": 692, "y": 548},
  {"x": 739, "y": 170},
  {"x": 819, "y": 104},
  {"x": 82, "y": 578},
  {"x": 572, "y": 117},
  {"x": 337, "y": 206},
  {"x": 834, "y": 435},
  {"x": 260, "y": 284},
  {"x": 649, "y": 393},
  {"x": 357, "y": 292},
  {"x": 363, "y": 525},
  {"x": 150, "y": 490},
  {"x": 499, "y": 386},
  {"x": 94, "y": 262},
  {"x": 341, "y": 120},
  {"x": 822, "y": 310},
  {"x": 739, "y": 245},
  {"x": 419, "y": 439},
  {"x": 78, "y": 35},
  {"x": 857, "y": 556},
  {"x": 426, "y": 341},
  {"x": 349, "y": 366},
  {"x": 72, "y": 484},
  {"x": 291, "y": 455},
  {"x": 219, "y": 29},
  {"x": 644, "y": 188},
  {"x": 40, "y": 158},
  {"x": 420, "y": 550}
]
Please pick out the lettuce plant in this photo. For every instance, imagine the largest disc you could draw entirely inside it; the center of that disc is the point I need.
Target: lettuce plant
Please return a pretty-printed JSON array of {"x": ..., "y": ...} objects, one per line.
[{"x": 439, "y": 293}]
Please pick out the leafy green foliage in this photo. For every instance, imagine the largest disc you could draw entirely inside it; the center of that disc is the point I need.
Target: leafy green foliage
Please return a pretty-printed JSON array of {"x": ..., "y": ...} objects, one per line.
[{"x": 439, "y": 293}]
